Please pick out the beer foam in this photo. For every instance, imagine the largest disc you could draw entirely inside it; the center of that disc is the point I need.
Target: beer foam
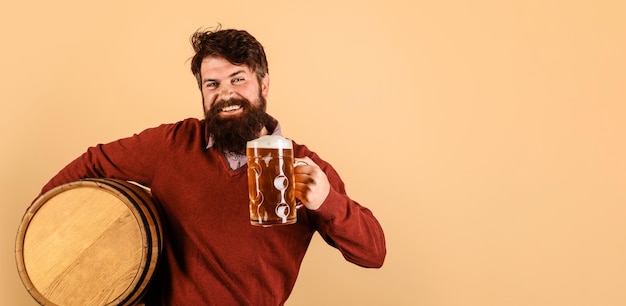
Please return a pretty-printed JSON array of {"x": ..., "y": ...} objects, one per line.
[{"x": 270, "y": 142}]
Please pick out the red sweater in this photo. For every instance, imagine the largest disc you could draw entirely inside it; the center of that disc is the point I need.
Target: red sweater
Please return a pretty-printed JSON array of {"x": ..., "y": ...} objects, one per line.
[{"x": 212, "y": 255}]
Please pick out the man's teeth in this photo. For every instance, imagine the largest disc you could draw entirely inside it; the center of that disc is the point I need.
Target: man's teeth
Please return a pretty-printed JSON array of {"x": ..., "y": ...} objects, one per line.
[{"x": 231, "y": 108}]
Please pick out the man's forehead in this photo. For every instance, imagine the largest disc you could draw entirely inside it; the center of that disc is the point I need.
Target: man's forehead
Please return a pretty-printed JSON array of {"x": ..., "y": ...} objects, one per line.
[{"x": 215, "y": 62}]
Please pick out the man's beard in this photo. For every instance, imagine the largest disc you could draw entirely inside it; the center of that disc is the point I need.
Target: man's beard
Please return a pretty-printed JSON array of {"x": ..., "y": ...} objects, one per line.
[{"x": 231, "y": 134}]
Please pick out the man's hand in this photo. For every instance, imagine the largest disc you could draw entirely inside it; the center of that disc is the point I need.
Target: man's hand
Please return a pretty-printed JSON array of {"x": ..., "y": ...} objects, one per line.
[{"x": 312, "y": 186}]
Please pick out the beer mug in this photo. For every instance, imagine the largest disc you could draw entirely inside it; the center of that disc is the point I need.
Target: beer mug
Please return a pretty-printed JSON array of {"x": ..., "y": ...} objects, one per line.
[{"x": 271, "y": 183}]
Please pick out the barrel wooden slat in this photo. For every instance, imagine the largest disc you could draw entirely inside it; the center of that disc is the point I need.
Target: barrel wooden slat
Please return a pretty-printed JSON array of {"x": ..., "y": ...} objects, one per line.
[{"x": 90, "y": 242}]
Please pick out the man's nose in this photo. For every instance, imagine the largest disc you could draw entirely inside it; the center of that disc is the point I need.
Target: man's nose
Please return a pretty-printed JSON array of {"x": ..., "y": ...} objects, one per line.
[{"x": 226, "y": 92}]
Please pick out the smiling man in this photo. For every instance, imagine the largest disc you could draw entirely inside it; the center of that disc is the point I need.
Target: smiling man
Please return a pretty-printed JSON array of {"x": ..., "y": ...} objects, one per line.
[
  {"x": 234, "y": 103},
  {"x": 197, "y": 172},
  {"x": 234, "y": 82}
]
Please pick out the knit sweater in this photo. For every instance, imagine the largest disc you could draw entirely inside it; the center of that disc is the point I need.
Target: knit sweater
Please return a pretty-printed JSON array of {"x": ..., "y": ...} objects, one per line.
[{"x": 211, "y": 254}]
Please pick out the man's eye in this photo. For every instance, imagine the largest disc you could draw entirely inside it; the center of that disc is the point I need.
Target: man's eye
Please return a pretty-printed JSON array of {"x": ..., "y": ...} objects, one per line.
[
  {"x": 238, "y": 80},
  {"x": 210, "y": 84}
]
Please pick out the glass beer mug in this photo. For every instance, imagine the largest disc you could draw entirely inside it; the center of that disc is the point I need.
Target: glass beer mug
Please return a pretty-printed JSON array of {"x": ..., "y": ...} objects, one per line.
[{"x": 271, "y": 184}]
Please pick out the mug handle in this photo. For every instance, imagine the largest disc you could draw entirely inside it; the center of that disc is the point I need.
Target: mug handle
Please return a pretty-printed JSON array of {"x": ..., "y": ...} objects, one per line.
[{"x": 299, "y": 163}]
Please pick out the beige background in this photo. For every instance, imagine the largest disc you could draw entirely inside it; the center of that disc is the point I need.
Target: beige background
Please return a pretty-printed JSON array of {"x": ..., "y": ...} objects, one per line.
[{"x": 487, "y": 136}]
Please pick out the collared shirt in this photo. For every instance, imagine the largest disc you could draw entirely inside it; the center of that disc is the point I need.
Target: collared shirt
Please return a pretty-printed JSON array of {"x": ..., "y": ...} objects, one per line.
[{"x": 236, "y": 161}]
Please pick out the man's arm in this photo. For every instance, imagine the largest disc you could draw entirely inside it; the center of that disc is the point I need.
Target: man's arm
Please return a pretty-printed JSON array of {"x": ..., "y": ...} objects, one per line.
[
  {"x": 134, "y": 158},
  {"x": 342, "y": 222}
]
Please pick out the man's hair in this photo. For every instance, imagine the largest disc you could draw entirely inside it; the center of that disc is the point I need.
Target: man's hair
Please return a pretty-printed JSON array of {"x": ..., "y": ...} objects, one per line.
[{"x": 236, "y": 46}]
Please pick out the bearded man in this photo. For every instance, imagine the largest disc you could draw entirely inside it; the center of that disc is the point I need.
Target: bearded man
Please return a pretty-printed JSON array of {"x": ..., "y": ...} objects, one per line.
[{"x": 196, "y": 170}]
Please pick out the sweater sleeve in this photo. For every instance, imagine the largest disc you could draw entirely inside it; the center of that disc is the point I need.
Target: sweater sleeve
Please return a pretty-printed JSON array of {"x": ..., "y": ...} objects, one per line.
[
  {"x": 134, "y": 158},
  {"x": 348, "y": 226}
]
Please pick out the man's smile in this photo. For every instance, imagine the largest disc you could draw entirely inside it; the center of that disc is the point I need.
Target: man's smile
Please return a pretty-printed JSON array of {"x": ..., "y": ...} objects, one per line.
[{"x": 231, "y": 110}]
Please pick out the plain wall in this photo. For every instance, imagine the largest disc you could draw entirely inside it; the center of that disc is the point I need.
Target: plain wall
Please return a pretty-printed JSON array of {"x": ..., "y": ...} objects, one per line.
[{"x": 486, "y": 136}]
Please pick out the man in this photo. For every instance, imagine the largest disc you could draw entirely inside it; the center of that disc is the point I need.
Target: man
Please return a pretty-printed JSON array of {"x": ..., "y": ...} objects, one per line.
[{"x": 196, "y": 170}]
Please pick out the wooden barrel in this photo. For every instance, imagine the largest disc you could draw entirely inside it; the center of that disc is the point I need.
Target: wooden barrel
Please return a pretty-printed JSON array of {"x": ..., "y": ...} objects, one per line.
[{"x": 90, "y": 242}]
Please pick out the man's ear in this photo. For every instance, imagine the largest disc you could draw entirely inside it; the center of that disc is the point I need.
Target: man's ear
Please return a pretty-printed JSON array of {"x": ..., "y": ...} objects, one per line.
[{"x": 265, "y": 85}]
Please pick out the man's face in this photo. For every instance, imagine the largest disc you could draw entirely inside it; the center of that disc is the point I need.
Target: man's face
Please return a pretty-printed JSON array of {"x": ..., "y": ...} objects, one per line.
[
  {"x": 222, "y": 81},
  {"x": 234, "y": 103}
]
